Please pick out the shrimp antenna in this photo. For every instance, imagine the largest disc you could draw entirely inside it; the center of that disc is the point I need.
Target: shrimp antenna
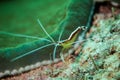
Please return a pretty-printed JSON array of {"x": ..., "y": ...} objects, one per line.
[
  {"x": 54, "y": 52},
  {"x": 23, "y": 36},
  {"x": 55, "y": 48},
  {"x": 45, "y": 31},
  {"x": 16, "y": 58},
  {"x": 60, "y": 35}
]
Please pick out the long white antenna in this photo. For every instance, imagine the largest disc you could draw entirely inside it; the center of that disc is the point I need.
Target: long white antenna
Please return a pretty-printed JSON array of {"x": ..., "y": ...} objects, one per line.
[
  {"x": 23, "y": 36},
  {"x": 16, "y": 58},
  {"x": 54, "y": 52},
  {"x": 60, "y": 35},
  {"x": 45, "y": 31}
]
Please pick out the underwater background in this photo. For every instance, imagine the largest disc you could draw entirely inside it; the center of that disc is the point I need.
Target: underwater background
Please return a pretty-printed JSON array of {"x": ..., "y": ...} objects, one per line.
[
  {"x": 20, "y": 17},
  {"x": 22, "y": 41}
]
